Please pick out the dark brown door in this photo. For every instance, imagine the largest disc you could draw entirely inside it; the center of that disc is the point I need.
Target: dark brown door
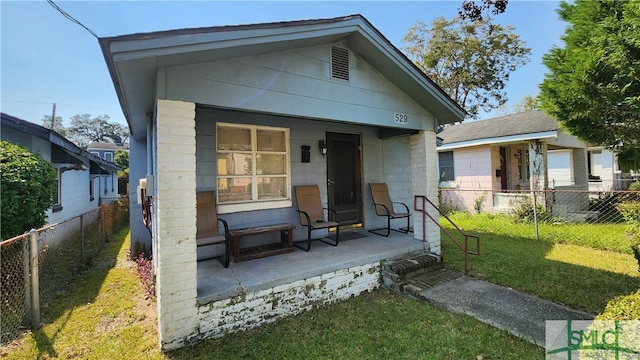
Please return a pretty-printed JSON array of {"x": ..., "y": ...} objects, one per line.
[
  {"x": 503, "y": 169},
  {"x": 343, "y": 177}
]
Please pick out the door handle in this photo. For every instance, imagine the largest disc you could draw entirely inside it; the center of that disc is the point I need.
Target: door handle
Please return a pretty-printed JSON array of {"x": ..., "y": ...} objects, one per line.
[{"x": 330, "y": 182}]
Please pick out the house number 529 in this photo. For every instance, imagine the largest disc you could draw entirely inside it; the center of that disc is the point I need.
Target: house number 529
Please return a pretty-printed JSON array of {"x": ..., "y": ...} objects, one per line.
[{"x": 401, "y": 118}]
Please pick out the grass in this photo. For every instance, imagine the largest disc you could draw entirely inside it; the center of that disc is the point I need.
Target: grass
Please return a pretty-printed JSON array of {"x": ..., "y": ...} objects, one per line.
[
  {"x": 562, "y": 267},
  {"x": 104, "y": 315},
  {"x": 377, "y": 325},
  {"x": 107, "y": 315}
]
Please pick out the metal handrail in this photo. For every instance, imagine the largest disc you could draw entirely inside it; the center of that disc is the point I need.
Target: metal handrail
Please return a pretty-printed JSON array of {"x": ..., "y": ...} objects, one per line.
[{"x": 464, "y": 248}]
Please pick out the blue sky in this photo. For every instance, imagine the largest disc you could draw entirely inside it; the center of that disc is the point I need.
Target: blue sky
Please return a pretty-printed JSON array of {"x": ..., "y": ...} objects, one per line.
[{"x": 46, "y": 59}]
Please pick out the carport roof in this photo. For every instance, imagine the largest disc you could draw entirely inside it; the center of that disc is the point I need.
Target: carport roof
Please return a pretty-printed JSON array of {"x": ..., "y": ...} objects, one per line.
[{"x": 133, "y": 59}]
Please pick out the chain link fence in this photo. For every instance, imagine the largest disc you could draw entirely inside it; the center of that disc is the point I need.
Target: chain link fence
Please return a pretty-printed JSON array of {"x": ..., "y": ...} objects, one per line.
[
  {"x": 562, "y": 205},
  {"x": 63, "y": 250}
]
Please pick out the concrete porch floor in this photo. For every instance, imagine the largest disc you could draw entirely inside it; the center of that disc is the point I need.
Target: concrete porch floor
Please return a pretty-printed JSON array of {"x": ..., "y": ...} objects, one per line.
[{"x": 217, "y": 283}]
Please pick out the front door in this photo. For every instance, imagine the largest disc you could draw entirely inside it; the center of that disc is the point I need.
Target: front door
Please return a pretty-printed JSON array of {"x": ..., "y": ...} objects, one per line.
[
  {"x": 504, "y": 175},
  {"x": 343, "y": 177}
]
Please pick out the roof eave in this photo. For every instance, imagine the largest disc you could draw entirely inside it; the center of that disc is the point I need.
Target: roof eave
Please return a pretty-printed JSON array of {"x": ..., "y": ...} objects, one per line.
[{"x": 499, "y": 140}]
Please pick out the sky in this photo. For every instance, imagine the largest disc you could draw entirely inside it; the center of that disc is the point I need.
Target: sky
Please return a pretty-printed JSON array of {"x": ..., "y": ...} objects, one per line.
[{"x": 45, "y": 58}]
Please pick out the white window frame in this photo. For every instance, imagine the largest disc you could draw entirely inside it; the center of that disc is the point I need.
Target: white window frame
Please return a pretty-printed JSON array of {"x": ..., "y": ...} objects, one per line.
[
  {"x": 255, "y": 204},
  {"x": 57, "y": 206},
  {"x": 453, "y": 167},
  {"x": 524, "y": 174},
  {"x": 108, "y": 156}
]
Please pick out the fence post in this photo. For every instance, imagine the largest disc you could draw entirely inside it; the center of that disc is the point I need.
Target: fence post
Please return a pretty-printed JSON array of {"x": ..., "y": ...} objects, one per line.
[
  {"x": 83, "y": 255},
  {"x": 26, "y": 273},
  {"x": 35, "y": 282}
]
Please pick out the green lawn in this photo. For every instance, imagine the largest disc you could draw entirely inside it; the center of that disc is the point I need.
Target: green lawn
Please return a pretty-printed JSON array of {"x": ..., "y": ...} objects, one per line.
[
  {"x": 561, "y": 267},
  {"x": 106, "y": 314}
]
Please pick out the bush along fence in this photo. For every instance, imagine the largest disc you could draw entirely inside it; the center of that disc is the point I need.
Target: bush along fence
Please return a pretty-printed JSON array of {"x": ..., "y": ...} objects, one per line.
[
  {"x": 36, "y": 266},
  {"x": 546, "y": 210}
]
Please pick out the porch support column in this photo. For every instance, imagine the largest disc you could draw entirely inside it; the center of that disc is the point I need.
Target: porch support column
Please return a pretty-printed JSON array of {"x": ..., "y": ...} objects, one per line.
[
  {"x": 424, "y": 181},
  {"x": 538, "y": 165},
  {"x": 175, "y": 202},
  {"x": 580, "y": 170}
]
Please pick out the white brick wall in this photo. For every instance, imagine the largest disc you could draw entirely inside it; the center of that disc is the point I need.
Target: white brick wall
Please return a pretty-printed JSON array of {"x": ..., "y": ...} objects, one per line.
[
  {"x": 175, "y": 209},
  {"x": 252, "y": 309},
  {"x": 424, "y": 177}
]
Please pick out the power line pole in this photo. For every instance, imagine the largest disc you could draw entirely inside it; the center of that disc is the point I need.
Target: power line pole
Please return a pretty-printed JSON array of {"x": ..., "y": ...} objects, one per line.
[{"x": 53, "y": 117}]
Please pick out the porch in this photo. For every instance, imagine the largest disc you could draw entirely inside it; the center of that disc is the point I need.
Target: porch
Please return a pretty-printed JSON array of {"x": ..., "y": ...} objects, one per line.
[{"x": 357, "y": 247}]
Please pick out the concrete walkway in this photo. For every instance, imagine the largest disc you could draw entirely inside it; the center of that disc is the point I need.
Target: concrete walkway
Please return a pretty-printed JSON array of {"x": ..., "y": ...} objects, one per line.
[{"x": 519, "y": 313}]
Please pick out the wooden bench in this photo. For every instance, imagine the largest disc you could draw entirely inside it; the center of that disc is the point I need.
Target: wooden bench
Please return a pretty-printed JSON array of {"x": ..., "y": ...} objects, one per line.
[{"x": 253, "y": 252}]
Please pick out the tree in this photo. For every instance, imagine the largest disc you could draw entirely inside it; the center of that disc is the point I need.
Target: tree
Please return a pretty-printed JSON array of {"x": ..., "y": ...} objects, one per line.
[
  {"x": 470, "y": 10},
  {"x": 84, "y": 130},
  {"x": 470, "y": 61},
  {"x": 593, "y": 83},
  {"x": 527, "y": 103},
  {"x": 121, "y": 159},
  {"x": 28, "y": 185},
  {"x": 56, "y": 126}
]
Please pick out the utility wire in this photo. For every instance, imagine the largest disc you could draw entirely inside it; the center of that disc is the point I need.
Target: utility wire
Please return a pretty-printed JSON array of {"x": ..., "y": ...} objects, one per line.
[{"x": 65, "y": 14}]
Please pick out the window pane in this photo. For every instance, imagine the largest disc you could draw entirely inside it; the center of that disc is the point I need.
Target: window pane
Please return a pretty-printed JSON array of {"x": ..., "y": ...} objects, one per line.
[
  {"x": 272, "y": 188},
  {"x": 231, "y": 138},
  {"x": 445, "y": 160},
  {"x": 271, "y": 140},
  {"x": 234, "y": 164},
  {"x": 234, "y": 189},
  {"x": 270, "y": 164}
]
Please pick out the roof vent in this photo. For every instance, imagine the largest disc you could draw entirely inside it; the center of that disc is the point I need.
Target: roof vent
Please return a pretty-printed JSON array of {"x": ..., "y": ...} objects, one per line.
[{"x": 339, "y": 63}]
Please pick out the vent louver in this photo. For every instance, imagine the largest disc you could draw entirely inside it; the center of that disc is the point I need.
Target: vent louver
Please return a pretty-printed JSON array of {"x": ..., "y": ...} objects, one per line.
[{"x": 339, "y": 63}]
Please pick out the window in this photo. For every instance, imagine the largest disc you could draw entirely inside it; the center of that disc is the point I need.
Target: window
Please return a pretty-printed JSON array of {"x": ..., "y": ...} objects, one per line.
[
  {"x": 594, "y": 165},
  {"x": 523, "y": 164},
  {"x": 445, "y": 161},
  {"x": 108, "y": 156},
  {"x": 57, "y": 192},
  {"x": 91, "y": 198},
  {"x": 253, "y": 164}
]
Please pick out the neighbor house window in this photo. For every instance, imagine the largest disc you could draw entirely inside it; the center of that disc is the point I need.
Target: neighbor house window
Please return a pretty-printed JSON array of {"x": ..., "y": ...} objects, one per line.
[
  {"x": 253, "y": 163},
  {"x": 57, "y": 192},
  {"x": 445, "y": 161},
  {"x": 108, "y": 156}
]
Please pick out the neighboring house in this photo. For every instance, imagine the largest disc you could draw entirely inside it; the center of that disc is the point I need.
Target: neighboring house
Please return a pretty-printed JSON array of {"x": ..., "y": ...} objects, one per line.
[
  {"x": 604, "y": 172},
  {"x": 84, "y": 181},
  {"x": 233, "y": 108},
  {"x": 506, "y": 155},
  {"x": 106, "y": 150}
]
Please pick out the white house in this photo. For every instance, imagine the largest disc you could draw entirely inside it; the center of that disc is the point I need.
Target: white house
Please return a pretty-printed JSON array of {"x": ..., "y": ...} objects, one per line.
[
  {"x": 85, "y": 181},
  {"x": 205, "y": 105}
]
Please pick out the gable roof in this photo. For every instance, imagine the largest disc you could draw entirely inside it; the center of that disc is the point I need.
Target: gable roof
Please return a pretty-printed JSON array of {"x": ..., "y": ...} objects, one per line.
[
  {"x": 62, "y": 150},
  {"x": 107, "y": 146},
  {"x": 516, "y": 127},
  {"x": 133, "y": 59}
]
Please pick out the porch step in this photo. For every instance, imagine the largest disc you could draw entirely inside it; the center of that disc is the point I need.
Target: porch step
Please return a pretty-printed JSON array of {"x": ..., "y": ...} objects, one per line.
[
  {"x": 399, "y": 272},
  {"x": 425, "y": 281}
]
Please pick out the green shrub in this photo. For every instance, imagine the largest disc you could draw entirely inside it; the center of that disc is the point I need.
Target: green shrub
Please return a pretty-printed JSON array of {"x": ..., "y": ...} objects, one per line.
[
  {"x": 523, "y": 212},
  {"x": 28, "y": 184},
  {"x": 635, "y": 186},
  {"x": 607, "y": 207},
  {"x": 631, "y": 213}
]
